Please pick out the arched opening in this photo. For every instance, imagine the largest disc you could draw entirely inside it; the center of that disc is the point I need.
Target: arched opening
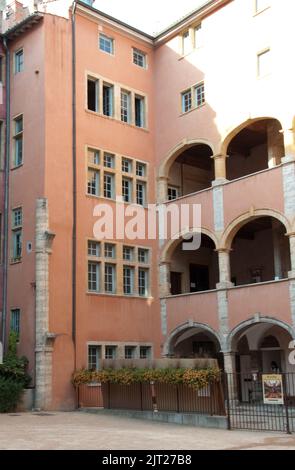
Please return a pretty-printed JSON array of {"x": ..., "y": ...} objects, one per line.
[
  {"x": 261, "y": 348},
  {"x": 192, "y": 171},
  {"x": 258, "y": 146},
  {"x": 194, "y": 270},
  {"x": 260, "y": 252},
  {"x": 196, "y": 343}
]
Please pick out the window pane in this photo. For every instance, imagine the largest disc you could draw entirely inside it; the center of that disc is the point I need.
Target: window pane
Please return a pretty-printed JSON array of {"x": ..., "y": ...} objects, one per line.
[
  {"x": 186, "y": 101},
  {"x": 125, "y": 106},
  {"x": 17, "y": 244},
  {"x": 128, "y": 280},
  {"x": 109, "y": 250},
  {"x": 107, "y": 100},
  {"x": 15, "y": 321},
  {"x": 139, "y": 111},
  {"x": 106, "y": 44},
  {"x": 93, "y": 248},
  {"x": 110, "y": 352},
  {"x": 143, "y": 255},
  {"x": 109, "y": 278},
  {"x": 130, "y": 352},
  {"x": 94, "y": 355},
  {"x": 172, "y": 193},
  {"x": 145, "y": 352},
  {"x": 93, "y": 182},
  {"x": 127, "y": 190},
  {"x": 128, "y": 253},
  {"x": 139, "y": 58},
  {"x": 92, "y": 94},
  {"x": 126, "y": 165},
  {"x": 186, "y": 43},
  {"x": 140, "y": 169},
  {"x": 140, "y": 193},
  {"x": 200, "y": 94},
  {"x": 108, "y": 186},
  {"x": 17, "y": 217},
  {"x": 93, "y": 157},
  {"x": 19, "y": 61},
  {"x": 93, "y": 276},
  {"x": 109, "y": 160},
  {"x": 143, "y": 282}
]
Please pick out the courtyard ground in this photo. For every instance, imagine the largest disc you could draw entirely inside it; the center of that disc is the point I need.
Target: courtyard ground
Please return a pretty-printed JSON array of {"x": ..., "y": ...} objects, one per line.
[{"x": 85, "y": 431}]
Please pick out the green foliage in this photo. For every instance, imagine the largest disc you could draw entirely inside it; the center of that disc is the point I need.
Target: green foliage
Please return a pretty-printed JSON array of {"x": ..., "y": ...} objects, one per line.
[
  {"x": 13, "y": 376},
  {"x": 194, "y": 378}
]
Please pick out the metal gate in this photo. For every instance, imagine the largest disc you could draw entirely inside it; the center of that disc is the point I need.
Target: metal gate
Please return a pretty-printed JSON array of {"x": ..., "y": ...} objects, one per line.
[{"x": 257, "y": 404}]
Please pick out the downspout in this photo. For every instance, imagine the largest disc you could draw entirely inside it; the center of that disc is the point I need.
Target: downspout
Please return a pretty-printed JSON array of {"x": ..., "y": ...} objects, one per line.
[
  {"x": 6, "y": 194},
  {"x": 74, "y": 169}
]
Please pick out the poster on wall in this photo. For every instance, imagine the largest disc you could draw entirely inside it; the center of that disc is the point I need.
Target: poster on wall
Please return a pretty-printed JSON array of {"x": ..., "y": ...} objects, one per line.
[{"x": 273, "y": 393}]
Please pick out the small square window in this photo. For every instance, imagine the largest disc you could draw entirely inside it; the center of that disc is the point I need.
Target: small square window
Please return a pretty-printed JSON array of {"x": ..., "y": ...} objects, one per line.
[
  {"x": 110, "y": 250},
  {"x": 130, "y": 352},
  {"x": 186, "y": 99},
  {"x": 106, "y": 44},
  {"x": 110, "y": 352},
  {"x": 19, "y": 61},
  {"x": 126, "y": 165},
  {"x": 109, "y": 160},
  {"x": 143, "y": 255},
  {"x": 172, "y": 193},
  {"x": 93, "y": 157},
  {"x": 145, "y": 352},
  {"x": 140, "y": 169},
  {"x": 128, "y": 253},
  {"x": 139, "y": 58},
  {"x": 17, "y": 217},
  {"x": 93, "y": 248}
]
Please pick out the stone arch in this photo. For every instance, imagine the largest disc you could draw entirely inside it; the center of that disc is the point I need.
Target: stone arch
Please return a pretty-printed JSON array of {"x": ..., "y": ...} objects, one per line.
[
  {"x": 171, "y": 245},
  {"x": 235, "y": 130},
  {"x": 187, "y": 326},
  {"x": 172, "y": 155},
  {"x": 255, "y": 321},
  {"x": 234, "y": 226}
]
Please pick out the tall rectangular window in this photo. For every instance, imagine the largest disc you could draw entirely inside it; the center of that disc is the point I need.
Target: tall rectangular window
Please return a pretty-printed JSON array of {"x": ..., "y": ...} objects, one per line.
[
  {"x": 264, "y": 63},
  {"x": 106, "y": 44},
  {"x": 139, "y": 58},
  {"x": 110, "y": 278},
  {"x": 127, "y": 189},
  {"x": 140, "y": 193},
  {"x": 94, "y": 356},
  {"x": 186, "y": 98},
  {"x": 93, "y": 276},
  {"x": 199, "y": 95},
  {"x": 139, "y": 111},
  {"x": 198, "y": 35},
  {"x": 107, "y": 99},
  {"x": 18, "y": 141},
  {"x": 140, "y": 169},
  {"x": 125, "y": 106},
  {"x": 186, "y": 43},
  {"x": 143, "y": 282},
  {"x": 17, "y": 221},
  {"x": 109, "y": 184},
  {"x": 19, "y": 61},
  {"x": 92, "y": 94},
  {"x": 128, "y": 280},
  {"x": 93, "y": 182},
  {"x": 15, "y": 321}
]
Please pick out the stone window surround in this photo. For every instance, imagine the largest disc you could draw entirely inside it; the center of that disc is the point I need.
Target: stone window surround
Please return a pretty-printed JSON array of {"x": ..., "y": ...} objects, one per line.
[
  {"x": 117, "y": 87},
  {"x": 194, "y": 106},
  {"x": 119, "y": 262},
  {"x": 120, "y": 348},
  {"x": 118, "y": 174}
]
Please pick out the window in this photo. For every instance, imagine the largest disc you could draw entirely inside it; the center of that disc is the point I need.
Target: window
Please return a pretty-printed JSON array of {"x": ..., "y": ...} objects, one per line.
[
  {"x": 107, "y": 99},
  {"x": 94, "y": 356},
  {"x": 198, "y": 35},
  {"x": 110, "y": 352},
  {"x": 106, "y": 44},
  {"x": 140, "y": 169},
  {"x": 110, "y": 278},
  {"x": 261, "y": 5},
  {"x": 93, "y": 157},
  {"x": 130, "y": 352},
  {"x": 263, "y": 63},
  {"x": 145, "y": 352},
  {"x": 109, "y": 160},
  {"x": 93, "y": 248},
  {"x": 143, "y": 255},
  {"x": 19, "y": 61},
  {"x": 199, "y": 95},
  {"x": 108, "y": 186},
  {"x": 93, "y": 182},
  {"x": 127, "y": 189},
  {"x": 143, "y": 282},
  {"x": 125, "y": 106},
  {"x": 128, "y": 253},
  {"x": 93, "y": 276},
  {"x": 172, "y": 193},
  {"x": 139, "y": 111},
  {"x": 128, "y": 280},
  {"x": 17, "y": 219},
  {"x": 92, "y": 94},
  {"x": 186, "y": 43},
  {"x": 109, "y": 250},
  {"x": 126, "y": 165},
  {"x": 186, "y": 101},
  {"x": 15, "y": 321},
  {"x": 139, "y": 58},
  {"x": 140, "y": 193},
  {"x": 18, "y": 141}
]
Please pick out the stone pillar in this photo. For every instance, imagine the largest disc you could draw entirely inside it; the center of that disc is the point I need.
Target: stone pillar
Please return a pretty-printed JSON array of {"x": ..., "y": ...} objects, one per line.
[
  {"x": 224, "y": 269},
  {"x": 289, "y": 143},
  {"x": 292, "y": 253},
  {"x": 230, "y": 369},
  {"x": 220, "y": 167},
  {"x": 44, "y": 341},
  {"x": 164, "y": 279},
  {"x": 162, "y": 189},
  {"x": 278, "y": 271},
  {"x": 275, "y": 144}
]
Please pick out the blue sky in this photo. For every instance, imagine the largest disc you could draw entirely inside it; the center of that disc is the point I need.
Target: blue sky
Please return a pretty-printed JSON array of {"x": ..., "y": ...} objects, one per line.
[{"x": 150, "y": 16}]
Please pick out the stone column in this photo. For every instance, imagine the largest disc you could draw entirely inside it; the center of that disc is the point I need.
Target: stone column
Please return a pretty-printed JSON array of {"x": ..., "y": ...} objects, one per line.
[
  {"x": 230, "y": 369},
  {"x": 220, "y": 167},
  {"x": 292, "y": 253},
  {"x": 44, "y": 341},
  {"x": 224, "y": 269},
  {"x": 275, "y": 144},
  {"x": 162, "y": 189},
  {"x": 277, "y": 251},
  {"x": 164, "y": 279}
]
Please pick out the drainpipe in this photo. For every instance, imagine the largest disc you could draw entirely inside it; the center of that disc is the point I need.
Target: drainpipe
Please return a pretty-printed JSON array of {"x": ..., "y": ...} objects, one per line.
[
  {"x": 74, "y": 169},
  {"x": 6, "y": 194}
]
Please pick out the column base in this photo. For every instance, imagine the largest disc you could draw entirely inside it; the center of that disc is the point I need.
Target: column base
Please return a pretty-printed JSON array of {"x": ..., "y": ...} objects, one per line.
[
  {"x": 219, "y": 182},
  {"x": 224, "y": 285}
]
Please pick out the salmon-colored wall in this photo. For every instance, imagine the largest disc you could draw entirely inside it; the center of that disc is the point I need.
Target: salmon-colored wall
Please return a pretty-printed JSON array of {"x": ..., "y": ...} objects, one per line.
[{"x": 2, "y": 157}]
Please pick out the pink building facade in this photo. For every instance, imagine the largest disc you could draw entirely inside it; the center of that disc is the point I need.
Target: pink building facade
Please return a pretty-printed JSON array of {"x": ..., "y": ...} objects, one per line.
[{"x": 100, "y": 111}]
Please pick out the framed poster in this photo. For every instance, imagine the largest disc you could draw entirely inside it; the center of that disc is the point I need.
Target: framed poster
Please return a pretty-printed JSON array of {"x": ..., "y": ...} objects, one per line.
[{"x": 273, "y": 392}]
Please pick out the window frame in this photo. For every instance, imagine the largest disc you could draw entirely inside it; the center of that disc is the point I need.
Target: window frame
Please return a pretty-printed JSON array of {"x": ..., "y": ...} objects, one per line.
[
  {"x": 138, "y": 53},
  {"x": 97, "y": 273},
  {"x": 15, "y": 323},
  {"x": 18, "y": 137},
  {"x": 106, "y": 39},
  {"x": 19, "y": 66}
]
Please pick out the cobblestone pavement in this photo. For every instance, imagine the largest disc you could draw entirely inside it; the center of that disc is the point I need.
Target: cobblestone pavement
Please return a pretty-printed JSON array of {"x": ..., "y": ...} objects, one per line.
[{"x": 78, "y": 430}]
